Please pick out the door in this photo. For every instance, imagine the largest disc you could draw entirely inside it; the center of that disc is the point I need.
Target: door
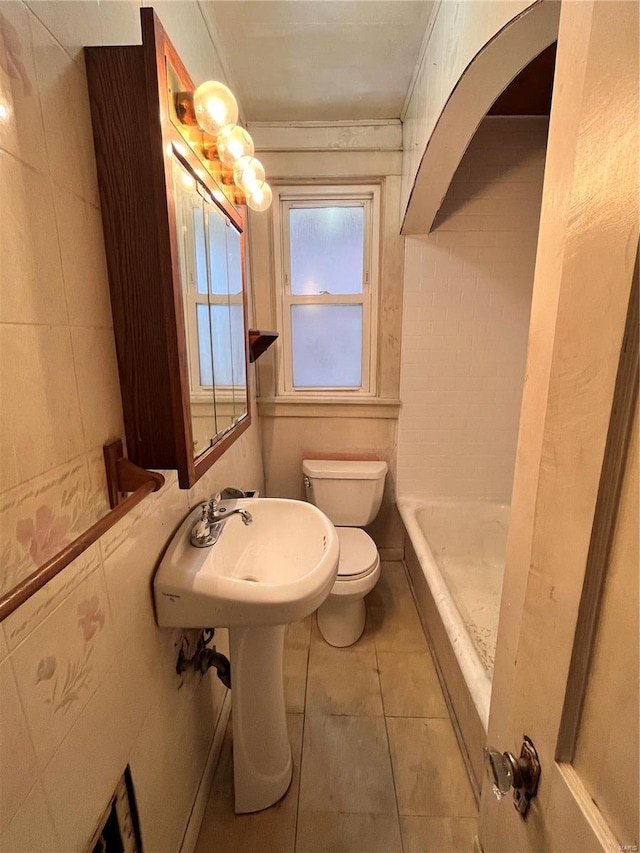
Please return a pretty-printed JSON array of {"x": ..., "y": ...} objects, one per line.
[{"x": 567, "y": 659}]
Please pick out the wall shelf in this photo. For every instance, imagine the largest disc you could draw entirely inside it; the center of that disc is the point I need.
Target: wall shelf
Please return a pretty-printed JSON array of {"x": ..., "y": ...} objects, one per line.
[{"x": 259, "y": 342}]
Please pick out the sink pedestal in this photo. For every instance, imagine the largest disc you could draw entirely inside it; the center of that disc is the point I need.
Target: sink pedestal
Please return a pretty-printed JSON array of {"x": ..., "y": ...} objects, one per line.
[{"x": 262, "y": 765}]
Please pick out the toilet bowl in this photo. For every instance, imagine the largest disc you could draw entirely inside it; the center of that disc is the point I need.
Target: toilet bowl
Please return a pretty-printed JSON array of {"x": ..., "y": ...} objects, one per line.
[{"x": 350, "y": 494}]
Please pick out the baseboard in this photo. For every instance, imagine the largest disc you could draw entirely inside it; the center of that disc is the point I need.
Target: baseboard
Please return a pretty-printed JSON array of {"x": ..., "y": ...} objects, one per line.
[
  {"x": 192, "y": 831},
  {"x": 391, "y": 555}
]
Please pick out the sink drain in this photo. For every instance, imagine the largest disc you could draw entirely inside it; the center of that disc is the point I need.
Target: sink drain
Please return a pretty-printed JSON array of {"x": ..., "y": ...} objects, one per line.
[{"x": 249, "y": 578}]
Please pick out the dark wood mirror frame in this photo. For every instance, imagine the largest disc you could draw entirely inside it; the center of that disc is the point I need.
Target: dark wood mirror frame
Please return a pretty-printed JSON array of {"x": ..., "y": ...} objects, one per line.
[{"x": 135, "y": 142}]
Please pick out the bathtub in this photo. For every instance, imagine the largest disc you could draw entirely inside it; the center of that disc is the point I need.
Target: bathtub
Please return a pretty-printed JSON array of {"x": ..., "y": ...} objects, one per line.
[{"x": 454, "y": 552}]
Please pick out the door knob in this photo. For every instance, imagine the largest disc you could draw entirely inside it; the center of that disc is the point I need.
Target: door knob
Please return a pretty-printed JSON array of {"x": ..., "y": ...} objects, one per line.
[{"x": 522, "y": 774}]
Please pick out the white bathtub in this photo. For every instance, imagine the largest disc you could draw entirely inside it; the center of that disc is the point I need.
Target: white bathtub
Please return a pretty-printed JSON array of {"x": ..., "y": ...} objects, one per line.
[{"x": 460, "y": 547}]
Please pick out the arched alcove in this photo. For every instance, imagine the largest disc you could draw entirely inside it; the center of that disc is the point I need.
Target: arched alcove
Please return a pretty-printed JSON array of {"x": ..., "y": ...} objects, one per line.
[{"x": 485, "y": 77}]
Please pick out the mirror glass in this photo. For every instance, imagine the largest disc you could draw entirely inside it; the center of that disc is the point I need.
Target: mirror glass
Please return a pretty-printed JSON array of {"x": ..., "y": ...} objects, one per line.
[{"x": 210, "y": 250}]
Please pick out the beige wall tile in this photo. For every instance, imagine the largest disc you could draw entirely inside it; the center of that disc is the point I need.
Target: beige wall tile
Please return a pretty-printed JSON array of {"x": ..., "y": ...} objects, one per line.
[
  {"x": 39, "y": 397},
  {"x": 80, "y": 778},
  {"x": 21, "y": 128},
  {"x": 410, "y": 686},
  {"x": 96, "y": 368},
  {"x": 342, "y": 681},
  {"x": 65, "y": 109},
  {"x": 429, "y": 773},
  {"x": 62, "y": 663},
  {"x": 438, "y": 834},
  {"x": 83, "y": 257},
  {"x": 347, "y": 833},
  {"x": 18, "y": 769},
  {"x": 4, "y": 649},
  {"x": 345, "y": 766},
  {"x": 73, "y": 23},
  {"x": 34, "y": 291},
  {"x": 32, "y": 829},
  {"x": 120, "y": 22}
]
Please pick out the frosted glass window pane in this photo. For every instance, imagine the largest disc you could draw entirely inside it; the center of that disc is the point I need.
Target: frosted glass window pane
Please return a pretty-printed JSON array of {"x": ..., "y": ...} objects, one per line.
[
  {"x": 327, "y": 346},
  {"x": 204, "y": 345},
  {"x": 217, "y": 252},
  {"x": 327, "y": 249},
  {"x": 222, "y": 351},
  {"x": 234, "y": 260},
  {"x": 202, "y": 285}
]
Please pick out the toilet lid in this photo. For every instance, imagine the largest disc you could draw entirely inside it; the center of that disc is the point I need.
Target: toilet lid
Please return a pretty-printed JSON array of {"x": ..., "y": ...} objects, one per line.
[{"x": 358, "y": 552}]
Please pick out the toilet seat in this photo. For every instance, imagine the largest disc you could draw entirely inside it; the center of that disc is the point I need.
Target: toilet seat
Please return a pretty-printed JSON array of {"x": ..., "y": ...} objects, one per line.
[{"x": 358, "y": 554}]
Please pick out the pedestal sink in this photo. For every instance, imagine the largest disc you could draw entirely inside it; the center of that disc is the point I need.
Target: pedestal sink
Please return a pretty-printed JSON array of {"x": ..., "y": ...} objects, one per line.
[{"x": 254, "y": 581}]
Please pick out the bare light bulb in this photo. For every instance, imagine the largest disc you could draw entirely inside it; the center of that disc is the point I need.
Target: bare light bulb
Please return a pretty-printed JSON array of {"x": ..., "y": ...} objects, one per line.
[
  {"x": 233, "y": 143},
  {"x": 248, "y": 174},
  {"x": 260, "y": 198},
  {"x": 215, "y": 106}
]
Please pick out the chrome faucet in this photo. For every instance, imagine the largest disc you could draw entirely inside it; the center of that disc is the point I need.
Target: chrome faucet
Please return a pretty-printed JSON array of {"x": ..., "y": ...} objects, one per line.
[{"x": 206, "y": 531}]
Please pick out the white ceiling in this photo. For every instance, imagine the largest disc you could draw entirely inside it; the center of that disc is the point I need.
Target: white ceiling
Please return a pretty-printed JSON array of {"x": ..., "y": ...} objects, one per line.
[{"x": 320, "y": 60}]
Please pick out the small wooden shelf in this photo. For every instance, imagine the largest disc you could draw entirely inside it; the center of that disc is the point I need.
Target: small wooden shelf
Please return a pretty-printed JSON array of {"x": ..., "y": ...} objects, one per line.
[{"x": 259, "y": 342}]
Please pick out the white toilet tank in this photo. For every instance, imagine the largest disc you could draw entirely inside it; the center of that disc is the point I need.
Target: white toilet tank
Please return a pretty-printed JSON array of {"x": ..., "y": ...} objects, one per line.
[{"x": 349, "y": 493}]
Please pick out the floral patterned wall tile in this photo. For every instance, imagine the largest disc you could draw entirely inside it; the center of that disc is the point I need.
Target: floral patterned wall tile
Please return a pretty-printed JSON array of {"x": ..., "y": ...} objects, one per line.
[
  {"x": 40, "y": 517},
  {"x": 60, "y": 664},
  {"x": 28, "y": 616}
]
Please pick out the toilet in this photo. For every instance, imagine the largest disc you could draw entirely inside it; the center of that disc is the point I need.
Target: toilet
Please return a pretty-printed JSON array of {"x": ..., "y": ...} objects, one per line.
[{"x": 350, "y": 494}]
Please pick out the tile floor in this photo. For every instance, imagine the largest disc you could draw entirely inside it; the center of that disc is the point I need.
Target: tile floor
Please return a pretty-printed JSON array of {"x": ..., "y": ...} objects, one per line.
[{"x": 377, "y": 768}]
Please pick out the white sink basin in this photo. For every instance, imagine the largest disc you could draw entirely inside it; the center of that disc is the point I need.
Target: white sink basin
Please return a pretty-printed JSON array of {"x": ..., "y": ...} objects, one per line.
[
  {"x": 254, "y": 580},
  {"x": 274, "y": 571}
]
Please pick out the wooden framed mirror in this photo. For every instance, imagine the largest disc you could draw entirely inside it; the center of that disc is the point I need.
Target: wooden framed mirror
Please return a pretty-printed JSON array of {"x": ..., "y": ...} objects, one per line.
[{"x": 174, "y": 238}]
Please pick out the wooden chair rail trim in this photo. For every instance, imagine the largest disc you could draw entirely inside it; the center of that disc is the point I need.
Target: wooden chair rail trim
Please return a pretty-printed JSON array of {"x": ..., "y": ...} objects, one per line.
[{"x": 150, "y": 482}]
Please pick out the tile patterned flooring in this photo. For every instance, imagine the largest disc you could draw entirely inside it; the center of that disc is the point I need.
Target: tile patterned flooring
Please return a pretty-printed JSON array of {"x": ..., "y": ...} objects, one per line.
[{"x": 377, "y": 768}]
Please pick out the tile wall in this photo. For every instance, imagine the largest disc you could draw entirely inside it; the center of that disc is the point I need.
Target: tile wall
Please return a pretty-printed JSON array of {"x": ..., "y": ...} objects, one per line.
[
  {"x": 467, "y": 301},
  {"x": 87, "y": 680}
]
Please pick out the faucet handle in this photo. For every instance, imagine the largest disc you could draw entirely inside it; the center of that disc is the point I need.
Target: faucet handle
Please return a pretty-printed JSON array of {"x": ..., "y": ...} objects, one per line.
[{"x": 213, "y": 505}]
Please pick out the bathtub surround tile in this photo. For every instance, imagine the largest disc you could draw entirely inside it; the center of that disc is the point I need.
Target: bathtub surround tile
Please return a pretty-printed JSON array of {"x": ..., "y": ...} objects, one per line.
[
  {"x": 345, "y": 766},
  {"x": 410, "y": 686},
  {"x": 438, "y": 834},
  {"x": 295, "y": 679},
  {"x": 32, "y": 829},
  {"x": 342, "y": 681},
  {"x": 29, "y": 246},
  {"x": 62, "y": 662},
  {"x": 18, "y": 768},
  {"x": 84, "y": 263},
  {"x": 273, "y": 829},
  {"x": 429, "y": 773},
  {"x": 320, "y": 832}
]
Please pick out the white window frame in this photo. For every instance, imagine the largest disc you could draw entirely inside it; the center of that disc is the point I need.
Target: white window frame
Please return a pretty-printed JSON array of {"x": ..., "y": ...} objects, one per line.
[{"x": 285, "y": 198}]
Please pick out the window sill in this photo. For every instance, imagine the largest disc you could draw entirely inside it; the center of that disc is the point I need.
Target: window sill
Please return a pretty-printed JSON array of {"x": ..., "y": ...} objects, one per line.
[{"x": 328, "y": 407}]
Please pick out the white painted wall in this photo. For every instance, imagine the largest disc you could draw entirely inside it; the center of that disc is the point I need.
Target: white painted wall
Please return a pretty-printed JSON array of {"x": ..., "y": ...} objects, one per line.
[
  {"x": 459, "y": 31},
  {"x": 467, "y": 300}
]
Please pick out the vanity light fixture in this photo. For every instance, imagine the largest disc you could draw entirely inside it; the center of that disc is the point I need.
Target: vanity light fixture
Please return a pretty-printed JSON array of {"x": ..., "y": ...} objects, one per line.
[{"x": 214, "y": 109}]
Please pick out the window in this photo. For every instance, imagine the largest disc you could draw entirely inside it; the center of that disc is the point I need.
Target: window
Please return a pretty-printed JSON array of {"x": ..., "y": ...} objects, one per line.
[{"x": 327, "y": 276}]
